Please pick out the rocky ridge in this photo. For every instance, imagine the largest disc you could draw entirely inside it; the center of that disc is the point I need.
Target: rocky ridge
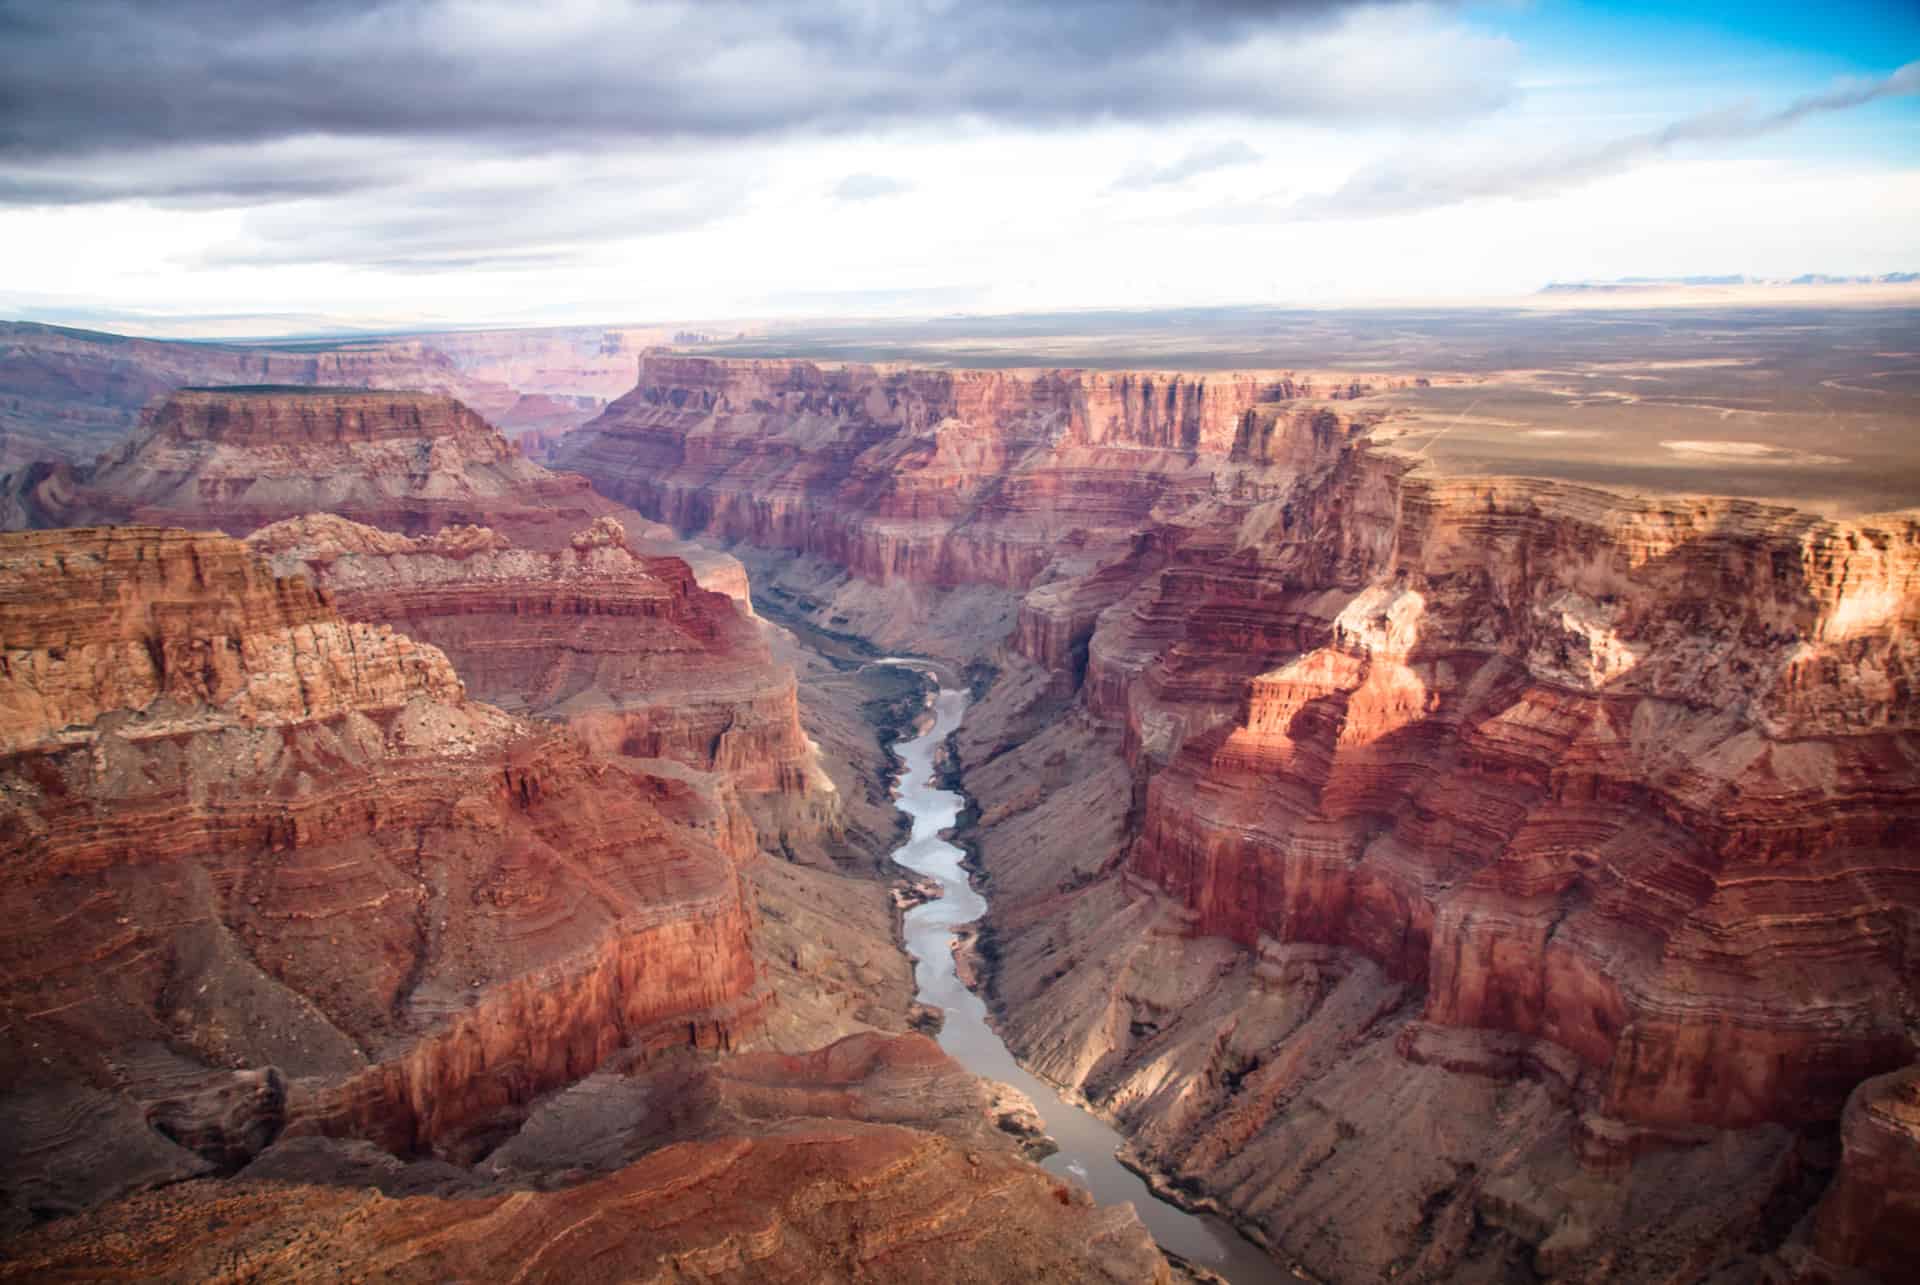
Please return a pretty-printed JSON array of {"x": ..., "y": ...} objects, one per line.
[
  {"x": 917, "y": 480},
  {"x": 69, "y": 395},
  {"x": 623, "y": 646},
  {"x": 241, "y": 458},
  {"x": 324, "y": 965},
  {"x": 637, "y": 653},
  {"x": 276, "y": 873},
  {"x": 868, "y": 1160}
]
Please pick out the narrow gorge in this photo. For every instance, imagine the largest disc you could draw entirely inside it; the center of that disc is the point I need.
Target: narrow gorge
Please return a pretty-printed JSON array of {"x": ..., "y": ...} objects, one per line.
[{"x": 1083, "y": 1149}]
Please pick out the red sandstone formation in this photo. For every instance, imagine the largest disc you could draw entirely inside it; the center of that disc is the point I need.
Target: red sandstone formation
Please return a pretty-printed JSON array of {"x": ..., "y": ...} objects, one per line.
[
  {"x": 239, "y": 459},
  {"x": 877, "y": 1166},
  {"x": 71, "y": 394},
  {"x": 245, "y": 837},
  {"x": 642, "y": 659},
  {"x": 1421, "y": 784},
  {"x": 916, "y": 478},
  {"x": 626, "y": 647},
  {"x": 1869, "y": 1222}
]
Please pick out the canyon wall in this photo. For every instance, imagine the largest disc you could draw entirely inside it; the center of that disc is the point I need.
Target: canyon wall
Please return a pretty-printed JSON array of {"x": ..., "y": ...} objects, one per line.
[
  {"x": 1300, "y": 744},
  {"x": 625, "y": 647},
  {"x": 239, "y": 459},
  {"x": 920, "y": 477},
  {"x": 245, "y": 835},
  {"x": 68, "y": 395},
  {"x": 564, "y": 605}
]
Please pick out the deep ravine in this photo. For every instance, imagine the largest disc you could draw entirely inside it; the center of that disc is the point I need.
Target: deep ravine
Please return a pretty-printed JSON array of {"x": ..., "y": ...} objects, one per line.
[{"x": 1087, "y": 1144}]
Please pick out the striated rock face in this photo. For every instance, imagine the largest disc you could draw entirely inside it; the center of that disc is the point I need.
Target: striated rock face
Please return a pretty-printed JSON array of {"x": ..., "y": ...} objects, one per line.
[
  {"x": 190, "y": 627},
  {"x": 860, "y": 1175},
  {"x": 1637, "y": 778},
  {"x": 1341, "y": 812},
  {"x": 1567, "y": 841},
  {"x": 632, "y": 649},
  {"x": 245, "y": 835},
  {"x": 1870, "y": 1219},
  {"x": 930, "y": 478},
  {"x": 71, "y": 394},
  {"x": 625, "y": 646},
  {"x": 239, "y": 459}
]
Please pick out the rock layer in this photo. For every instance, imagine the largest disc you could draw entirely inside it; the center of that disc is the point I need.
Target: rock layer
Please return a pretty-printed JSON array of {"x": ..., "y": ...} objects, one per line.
[
  {"x": 239, "y": 459},
  {"x": 843, "y": 1165},
  {"x": 1310, "y": 767},
  {"x": 625, "y": 646},
  {"x": 918, "y": 477},
  {"x": 633, "y": 650},
  {"x": 243, "y": 833},
  {"x": 68, "y": 395}
]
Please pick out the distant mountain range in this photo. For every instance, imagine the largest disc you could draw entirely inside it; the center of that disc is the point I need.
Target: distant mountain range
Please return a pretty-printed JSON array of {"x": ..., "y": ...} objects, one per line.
[{"x": 1737, "y": 279}]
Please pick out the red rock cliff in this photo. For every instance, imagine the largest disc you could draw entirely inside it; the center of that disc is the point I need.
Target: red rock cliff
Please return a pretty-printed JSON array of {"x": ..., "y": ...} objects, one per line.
[
  {"x": 694, "y": 683},
  {"x": 67, "y": 395},
  {"x": 930, "y": 477},
  {"x": 1616, "y": 798},
  {"x": 410, "y": 462},
  {"x": 1629, "y": 775},
  {"x": 241, "y": 832},
  {"x": 623, "y": 645}
]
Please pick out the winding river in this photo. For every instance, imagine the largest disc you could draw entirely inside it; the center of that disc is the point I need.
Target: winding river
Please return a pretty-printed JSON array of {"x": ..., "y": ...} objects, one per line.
[{"x": 1087, "y": 1144}]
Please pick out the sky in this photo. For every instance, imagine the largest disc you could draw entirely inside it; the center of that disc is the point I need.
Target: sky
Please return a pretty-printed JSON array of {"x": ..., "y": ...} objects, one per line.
[{"x": 294, "y": 166}]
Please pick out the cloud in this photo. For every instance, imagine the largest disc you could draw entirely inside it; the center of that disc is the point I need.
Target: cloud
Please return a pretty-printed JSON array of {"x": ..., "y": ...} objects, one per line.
[
  {"x": 93, "y": 78},
  {"x": 433, "y": 135},
  {"x": 534, "y": 213},
  {"x": 1198, "y": 161},
  {"x": 1408, "y": 186},
  {"x": 867, "y": 187}
]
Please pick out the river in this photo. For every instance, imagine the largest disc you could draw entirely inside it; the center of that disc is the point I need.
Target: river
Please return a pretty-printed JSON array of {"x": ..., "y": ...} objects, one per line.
[{"x": 1087, "y": 1144}]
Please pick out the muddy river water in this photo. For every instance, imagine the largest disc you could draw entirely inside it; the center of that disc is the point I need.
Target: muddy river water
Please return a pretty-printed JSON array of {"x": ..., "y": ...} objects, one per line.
[{"x": 1087, "y": 1144}]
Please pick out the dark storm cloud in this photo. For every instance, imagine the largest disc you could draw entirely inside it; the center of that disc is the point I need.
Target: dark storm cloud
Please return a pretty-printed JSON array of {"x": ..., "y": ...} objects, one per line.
[
  {"x": 1408, "y": 187},
  {"x": 441, "y": 135},
  {"x": 115, "y": 77}
]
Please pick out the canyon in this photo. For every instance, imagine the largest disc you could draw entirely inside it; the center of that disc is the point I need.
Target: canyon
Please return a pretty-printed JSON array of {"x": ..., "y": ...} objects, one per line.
[
  {"x": 565, "y": 605},
  {"x": 310, "y": 908},
  {"x": 1436, "y": 870},
  {"x": 1443, "y": 872},
  {"x": 69, "y": 394}
]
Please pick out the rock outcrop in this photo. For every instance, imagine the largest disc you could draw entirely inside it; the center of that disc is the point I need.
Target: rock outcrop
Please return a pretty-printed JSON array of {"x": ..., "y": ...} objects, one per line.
[
  {"x": 1869, "y": 1222},
  {"x": 1545, "y": 848},
  {"x": 239, "y": 459},
  {"x": 247, "y": 837},
  {"x": 916, "y": 480},
  {"x": 870, "y": 1160},
  {"x": 564, "y": 605},
  {"x": 68, "y": 395},
  {"x": 1616, "y": 773},
  {"x": 624, "y": 646}
]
